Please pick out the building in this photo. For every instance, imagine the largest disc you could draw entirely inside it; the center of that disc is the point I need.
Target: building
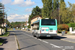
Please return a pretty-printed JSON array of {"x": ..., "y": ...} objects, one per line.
[
  {"x": 3, "y": 24},
  {"x": 35, "y": 19},
  {"x": 26, "y": 25}
]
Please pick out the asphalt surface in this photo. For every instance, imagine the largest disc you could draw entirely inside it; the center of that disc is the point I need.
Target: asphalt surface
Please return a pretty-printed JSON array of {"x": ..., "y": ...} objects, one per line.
[{"x": 28, "y": 42}]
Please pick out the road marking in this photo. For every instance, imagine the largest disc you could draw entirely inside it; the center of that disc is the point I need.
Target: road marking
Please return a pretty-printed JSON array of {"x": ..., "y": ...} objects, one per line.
[
  {"x": 55, "y": 45},
  {"x": 44, "y": 41}
]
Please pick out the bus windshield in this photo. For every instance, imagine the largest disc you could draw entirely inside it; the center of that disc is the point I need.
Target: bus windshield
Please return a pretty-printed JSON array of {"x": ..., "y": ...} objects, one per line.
[{"x": 48, "y": 22}]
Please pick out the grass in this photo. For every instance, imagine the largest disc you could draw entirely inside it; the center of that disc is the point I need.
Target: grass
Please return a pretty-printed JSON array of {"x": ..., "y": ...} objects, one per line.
[
  {"x": 5, "y": 35},
  {"x": 1, "y": 41},
  {"x": 10, "y": 29}
]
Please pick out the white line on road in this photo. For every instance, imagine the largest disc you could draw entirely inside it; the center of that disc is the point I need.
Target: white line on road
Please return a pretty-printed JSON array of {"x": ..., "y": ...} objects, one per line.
[
  {"x": 44, "y": 41},
  {"x": 55, "y": 45}
]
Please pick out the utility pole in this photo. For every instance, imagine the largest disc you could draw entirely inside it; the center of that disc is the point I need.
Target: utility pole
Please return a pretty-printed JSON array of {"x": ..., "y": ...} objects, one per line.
[
  {"x": 6, "y": 22},
  {"x": 3, "y": 15}
]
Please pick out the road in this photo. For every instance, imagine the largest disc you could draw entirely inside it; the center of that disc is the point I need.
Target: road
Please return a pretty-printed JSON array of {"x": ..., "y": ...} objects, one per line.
[{"x": 28, "y": 42}]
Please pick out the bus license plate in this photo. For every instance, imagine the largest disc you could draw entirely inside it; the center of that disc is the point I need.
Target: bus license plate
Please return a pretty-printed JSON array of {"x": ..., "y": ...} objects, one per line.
[
  {"x": 48, "y": 35},
  {"x": 51, "y": 30}
]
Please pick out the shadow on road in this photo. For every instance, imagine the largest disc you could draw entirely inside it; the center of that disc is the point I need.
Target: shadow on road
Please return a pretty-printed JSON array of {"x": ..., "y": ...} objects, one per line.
[
  {"x": 57, "y": 37},
  {"x": 15, "y": 34},
  {"x": 1, "y": 48}
]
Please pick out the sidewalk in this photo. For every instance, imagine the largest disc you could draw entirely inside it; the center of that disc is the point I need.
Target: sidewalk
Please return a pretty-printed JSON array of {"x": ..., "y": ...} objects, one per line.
[
  {"x": 10, "y": 43},
  {"x": 68, "y": 36}
]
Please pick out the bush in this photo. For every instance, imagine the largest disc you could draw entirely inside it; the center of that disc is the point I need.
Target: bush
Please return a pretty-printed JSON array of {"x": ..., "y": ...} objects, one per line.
[
  {"x": 71, "y": 24},
  {"x": 62, "y": 27},
  {"x": 28, "y": 26}
]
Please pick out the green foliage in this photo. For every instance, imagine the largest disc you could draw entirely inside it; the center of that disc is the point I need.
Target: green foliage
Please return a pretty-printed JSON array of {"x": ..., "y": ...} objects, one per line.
[
  {"x": 28, "y": 26},
  {"x": 17, "y": 24},
  {"x": 55, "y": 4},
  {"x": 1, "y": 14},
  {"x": 47, "y": 8},
  {"x": 61, "y": 1},
  {"x": 64, "y": 13},
  {"x": 63, "y": 27},
  {"x": 71, "y": 24},
  {"x": 36, "y": 11},
  {"x": 1, "y": 5},
  {"x": 5, "y": 35}
]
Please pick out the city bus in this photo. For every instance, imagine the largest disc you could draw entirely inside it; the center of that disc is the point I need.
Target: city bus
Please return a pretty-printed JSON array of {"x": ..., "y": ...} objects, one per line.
[{"x": 44, "y": 28}]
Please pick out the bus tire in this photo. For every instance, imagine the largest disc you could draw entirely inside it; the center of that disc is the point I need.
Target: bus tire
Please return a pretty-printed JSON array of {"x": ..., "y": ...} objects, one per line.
[
  {"x": 37, "y": 36},
  {"x": 33, "y": 34}
]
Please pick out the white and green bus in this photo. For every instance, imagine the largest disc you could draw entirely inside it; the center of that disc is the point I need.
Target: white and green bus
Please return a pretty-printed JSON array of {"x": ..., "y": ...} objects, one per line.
[{"x": 44, "y": 28}]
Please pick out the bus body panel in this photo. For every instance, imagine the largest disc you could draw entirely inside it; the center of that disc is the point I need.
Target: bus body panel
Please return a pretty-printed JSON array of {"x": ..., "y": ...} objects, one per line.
[{"x": 47, "y": 30}]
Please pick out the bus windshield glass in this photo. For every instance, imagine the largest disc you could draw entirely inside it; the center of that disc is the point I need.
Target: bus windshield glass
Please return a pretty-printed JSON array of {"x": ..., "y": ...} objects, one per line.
[{"x": 48, "y": 22}]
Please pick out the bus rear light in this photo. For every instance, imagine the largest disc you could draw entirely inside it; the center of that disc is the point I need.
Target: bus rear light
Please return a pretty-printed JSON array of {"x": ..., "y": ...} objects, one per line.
[
  {"x": 40, "y": 31},
  {"x": 56, "y": 31}
]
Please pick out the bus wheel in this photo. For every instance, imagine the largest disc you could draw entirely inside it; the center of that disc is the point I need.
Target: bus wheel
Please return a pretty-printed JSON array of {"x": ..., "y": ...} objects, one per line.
[
  {"x": 37, "y": 36},
  {"x": 33, "y": 34}
]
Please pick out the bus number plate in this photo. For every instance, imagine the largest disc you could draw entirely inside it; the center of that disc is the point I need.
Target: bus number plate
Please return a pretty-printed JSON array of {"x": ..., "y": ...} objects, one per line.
[
  {"x": 48, "y": 35},
  {"x": 51, "y": 30}
]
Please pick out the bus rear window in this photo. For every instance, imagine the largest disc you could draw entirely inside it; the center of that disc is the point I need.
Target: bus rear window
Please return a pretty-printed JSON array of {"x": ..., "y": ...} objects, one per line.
[{"x": 48, "y": 22}]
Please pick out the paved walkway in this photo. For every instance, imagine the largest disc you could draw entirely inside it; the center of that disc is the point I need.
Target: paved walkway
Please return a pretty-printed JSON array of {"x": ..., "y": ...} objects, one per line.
[
  {"x": 68, "y": 36},
  {"x": 10, "y": 43}
]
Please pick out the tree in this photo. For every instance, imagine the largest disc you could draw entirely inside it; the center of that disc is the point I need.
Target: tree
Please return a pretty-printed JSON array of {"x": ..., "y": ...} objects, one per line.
[
  {"x": 47, "y": 8},
  {"x": 55, "y": 4},
  {"x": 36, "y": 11},
  {"x": 1, "y": 13},
  {"x": 73, "y": 12},
  {"x": 61, "y": 1},
  {"x": 17, "y": 24},
  {"x": 63, "y": 12}
]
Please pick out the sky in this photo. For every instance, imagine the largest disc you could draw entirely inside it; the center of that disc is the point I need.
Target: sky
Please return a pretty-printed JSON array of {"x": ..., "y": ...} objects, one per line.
[{"x": 19, "y": 10}]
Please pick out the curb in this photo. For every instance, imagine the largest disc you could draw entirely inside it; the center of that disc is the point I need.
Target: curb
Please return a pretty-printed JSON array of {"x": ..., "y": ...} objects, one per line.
[{"x": 17, "y": 43}]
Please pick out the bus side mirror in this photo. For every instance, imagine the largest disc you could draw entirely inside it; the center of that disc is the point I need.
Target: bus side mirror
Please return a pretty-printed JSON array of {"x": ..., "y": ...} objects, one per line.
[{"x": 32, "y": 25}]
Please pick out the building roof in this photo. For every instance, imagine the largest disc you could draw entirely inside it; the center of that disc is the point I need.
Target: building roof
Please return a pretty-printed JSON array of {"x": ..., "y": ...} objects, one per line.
[
  {"x": 36, "y": 21},
  {"x": 35, "y": 17}
]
